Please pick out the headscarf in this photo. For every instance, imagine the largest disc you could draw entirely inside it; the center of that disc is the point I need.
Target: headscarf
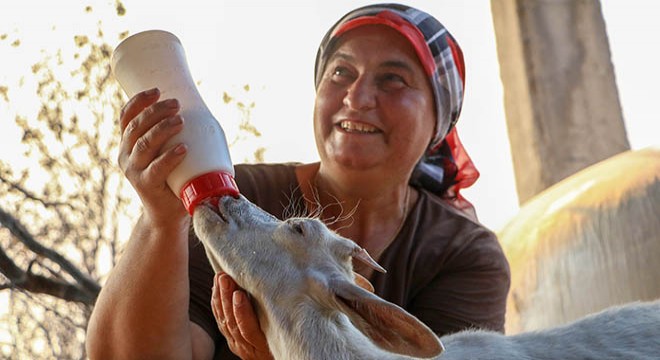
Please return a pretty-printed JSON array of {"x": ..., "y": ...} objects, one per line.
[{"x": 445, "y": 168}]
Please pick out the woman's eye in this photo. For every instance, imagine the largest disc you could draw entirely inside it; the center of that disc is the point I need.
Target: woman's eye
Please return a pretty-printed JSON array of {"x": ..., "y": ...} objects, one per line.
[
  {"x": 339, "y": 71},
  {"x": 392, "y": 81},
  {"x": 340, "y": 74}
]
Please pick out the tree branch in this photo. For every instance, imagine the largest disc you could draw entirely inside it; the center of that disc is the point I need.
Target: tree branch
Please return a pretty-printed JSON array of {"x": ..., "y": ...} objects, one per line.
[
  {"x": 28, "y": 281},
  {"x": 30, "y": 195},
  {"x": 21, "y": 233}
]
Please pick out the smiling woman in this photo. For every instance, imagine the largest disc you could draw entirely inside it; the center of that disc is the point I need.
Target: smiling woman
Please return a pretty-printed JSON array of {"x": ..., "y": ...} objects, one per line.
[
  {"x": 374, "y": 72},
  {"x": 374, "y": 108}
]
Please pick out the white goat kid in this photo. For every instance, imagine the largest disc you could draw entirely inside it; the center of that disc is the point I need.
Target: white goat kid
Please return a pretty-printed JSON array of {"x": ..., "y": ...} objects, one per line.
[{"x": 300, "y": 277}]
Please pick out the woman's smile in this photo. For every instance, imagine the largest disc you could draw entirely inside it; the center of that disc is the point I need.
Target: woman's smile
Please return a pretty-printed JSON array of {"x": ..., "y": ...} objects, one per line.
[{"x": 356, "y": 127}]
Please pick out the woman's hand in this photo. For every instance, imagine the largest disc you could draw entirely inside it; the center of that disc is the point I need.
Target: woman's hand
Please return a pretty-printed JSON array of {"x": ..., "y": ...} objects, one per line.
[
  {"x": 146, "y": 125},
  {"x": 237, "y": 321}
]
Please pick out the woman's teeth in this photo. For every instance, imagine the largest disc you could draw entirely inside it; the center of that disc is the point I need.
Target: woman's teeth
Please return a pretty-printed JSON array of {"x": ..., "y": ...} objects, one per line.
[{"x": 350, "y": 126}]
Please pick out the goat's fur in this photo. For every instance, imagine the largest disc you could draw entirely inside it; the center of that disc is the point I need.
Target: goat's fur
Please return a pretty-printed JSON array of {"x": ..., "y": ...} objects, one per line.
[
  {"x": 300, "y": 277},
  {"x": 627, "y": 332}
]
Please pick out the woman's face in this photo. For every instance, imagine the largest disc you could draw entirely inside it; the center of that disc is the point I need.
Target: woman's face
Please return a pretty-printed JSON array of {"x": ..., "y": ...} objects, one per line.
[{"x": 374, "y": 105}]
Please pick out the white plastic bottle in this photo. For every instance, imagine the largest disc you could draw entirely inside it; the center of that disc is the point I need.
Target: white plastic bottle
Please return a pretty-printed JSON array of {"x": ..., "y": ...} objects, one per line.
[{"x": 156, "y": 58}]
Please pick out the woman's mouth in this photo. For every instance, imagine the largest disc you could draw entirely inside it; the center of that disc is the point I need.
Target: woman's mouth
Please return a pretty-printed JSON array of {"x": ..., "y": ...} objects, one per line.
[{"x": 358, "y": 127}]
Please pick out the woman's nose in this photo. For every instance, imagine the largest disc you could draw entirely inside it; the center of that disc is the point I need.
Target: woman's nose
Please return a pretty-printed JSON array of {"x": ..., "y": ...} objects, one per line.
[{"x": 360, "y": 95}]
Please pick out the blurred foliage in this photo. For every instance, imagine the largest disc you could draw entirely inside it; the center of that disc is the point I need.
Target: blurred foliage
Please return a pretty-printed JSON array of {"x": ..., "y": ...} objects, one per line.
[
  {"x": 65, "y": 204},
  {"x": 246, "y": 129},
  {"x": 62, "y": 206}
]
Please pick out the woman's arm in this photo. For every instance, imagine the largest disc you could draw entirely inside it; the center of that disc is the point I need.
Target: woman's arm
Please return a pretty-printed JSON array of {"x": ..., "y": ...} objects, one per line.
[{"x": 142, "y": 310}]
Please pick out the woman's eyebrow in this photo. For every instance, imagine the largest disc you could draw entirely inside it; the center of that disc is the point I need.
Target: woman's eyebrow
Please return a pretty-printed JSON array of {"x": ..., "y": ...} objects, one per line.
[
  {"x": 388, "y": 63},
  {"x": 397, "y": 64},
  {"x": 341, "y": 55}
]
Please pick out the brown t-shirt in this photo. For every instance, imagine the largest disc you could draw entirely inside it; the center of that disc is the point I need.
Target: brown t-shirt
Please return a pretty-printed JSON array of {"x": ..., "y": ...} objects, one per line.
[{"x": 445, "y": 269}]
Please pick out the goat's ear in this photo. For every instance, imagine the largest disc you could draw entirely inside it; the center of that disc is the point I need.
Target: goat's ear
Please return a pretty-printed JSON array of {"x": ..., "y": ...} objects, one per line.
[
  {"x": 387, "y": 325},
  {"x": 362, "y": 282}
]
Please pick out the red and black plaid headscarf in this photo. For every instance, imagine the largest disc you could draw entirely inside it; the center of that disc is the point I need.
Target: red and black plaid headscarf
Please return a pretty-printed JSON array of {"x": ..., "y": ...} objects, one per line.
[{"x": 445, "y": 168}]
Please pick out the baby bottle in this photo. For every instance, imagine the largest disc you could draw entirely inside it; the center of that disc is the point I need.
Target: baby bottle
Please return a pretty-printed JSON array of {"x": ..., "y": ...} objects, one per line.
[{"x": 156, "y": 58}]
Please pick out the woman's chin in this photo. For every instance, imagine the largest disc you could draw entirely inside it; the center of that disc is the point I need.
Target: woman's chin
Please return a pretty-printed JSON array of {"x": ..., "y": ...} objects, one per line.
[
  {"x": 356, "y": 162},
  {"x": 355, "y": 156}
]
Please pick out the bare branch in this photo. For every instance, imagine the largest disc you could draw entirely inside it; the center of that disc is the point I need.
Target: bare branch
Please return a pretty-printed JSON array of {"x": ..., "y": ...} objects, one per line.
[
  {"x": 28, "y": 281},
  {"x": 30, "y": 195},
  {"x": 9, "y": 268},
  {"x": 22, "y": 234}
]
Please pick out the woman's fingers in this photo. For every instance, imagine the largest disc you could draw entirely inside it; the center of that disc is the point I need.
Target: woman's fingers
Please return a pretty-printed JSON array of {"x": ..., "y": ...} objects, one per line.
[
  {"x": 227, "y": 288},
  {"x": 151, "y": 145},
  {"x": 148, "y": 117},
  {"x": 146, "y": 158},
  {"x": 248, "y": 325},
  {"x": 147, "y": 125},
  {"x": 237, "y": 320},
  {"x": 145, "y": 134},
  {"x": 135, "y": 105},
  {"x": 216, "y": 303}
]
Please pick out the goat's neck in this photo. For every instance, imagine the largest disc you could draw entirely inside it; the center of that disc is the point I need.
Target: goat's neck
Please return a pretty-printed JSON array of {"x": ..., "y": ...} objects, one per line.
[{"x": 307, "y": 331}]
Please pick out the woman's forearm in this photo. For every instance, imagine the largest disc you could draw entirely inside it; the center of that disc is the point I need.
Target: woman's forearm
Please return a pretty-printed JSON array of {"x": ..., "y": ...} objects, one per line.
[{"x": 142, "y": 310}]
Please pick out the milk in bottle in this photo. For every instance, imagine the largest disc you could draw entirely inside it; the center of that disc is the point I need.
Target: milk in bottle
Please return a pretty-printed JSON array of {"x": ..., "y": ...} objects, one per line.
[{"x": 156, "y": 58}]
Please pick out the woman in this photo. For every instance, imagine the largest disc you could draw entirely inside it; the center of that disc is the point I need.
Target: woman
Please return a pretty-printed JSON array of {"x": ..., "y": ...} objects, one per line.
[{"x": 390, "y": 170}]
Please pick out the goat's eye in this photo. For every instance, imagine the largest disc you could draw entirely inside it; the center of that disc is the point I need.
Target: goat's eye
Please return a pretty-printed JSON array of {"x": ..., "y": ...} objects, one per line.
[{"x": 297, "y": 227}]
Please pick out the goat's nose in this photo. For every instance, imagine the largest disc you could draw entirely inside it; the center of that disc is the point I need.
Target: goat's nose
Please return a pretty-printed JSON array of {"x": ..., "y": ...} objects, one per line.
[{"x": 227, "y": 203}]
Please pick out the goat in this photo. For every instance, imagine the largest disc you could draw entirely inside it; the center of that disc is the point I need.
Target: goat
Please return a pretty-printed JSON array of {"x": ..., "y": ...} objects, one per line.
[{"x": 299, "y": 275}]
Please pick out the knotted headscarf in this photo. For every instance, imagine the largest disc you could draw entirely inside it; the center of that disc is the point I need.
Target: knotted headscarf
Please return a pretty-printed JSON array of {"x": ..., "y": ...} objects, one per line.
[{"x": 445, "y": 167}]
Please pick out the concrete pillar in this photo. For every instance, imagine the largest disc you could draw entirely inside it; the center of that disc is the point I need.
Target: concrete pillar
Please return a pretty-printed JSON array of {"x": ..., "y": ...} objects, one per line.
[{"x": 560, "y": 96}]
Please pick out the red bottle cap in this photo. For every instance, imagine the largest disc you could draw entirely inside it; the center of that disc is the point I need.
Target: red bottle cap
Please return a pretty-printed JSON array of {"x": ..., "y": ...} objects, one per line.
[{"x": 213, "y": 184}]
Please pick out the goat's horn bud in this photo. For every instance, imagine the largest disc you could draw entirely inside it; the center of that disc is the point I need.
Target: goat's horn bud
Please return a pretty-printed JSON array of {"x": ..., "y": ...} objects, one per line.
[{"x": 362, "y": 255}]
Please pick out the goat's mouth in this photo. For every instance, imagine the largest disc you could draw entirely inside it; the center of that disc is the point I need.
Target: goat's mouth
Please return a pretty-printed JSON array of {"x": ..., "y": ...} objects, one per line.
[{"x": 215, "y": 205}]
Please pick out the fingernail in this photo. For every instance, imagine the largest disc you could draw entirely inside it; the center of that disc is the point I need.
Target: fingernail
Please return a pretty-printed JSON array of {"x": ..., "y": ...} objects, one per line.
[
  {"x": 172, "y": 103},
  {"x": 151, "y": 92},
  {"x": 176, "y": 120},
  {"x": 238, "y": 298},
  {"x": 180, "y": 149},
  {"x": 224, "y": 282},
  {"x": 216, "y": 281}
]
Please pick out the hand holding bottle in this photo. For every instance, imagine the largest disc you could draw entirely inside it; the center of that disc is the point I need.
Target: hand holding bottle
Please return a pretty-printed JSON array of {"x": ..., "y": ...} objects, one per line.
[
  {"x": 147, "y": 125},
  {"x": 156, "y": 59}
]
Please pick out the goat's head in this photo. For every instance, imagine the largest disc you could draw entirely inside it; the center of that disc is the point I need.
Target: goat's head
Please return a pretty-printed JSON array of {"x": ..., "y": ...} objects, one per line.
[{"x": 292, "y": 262}]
